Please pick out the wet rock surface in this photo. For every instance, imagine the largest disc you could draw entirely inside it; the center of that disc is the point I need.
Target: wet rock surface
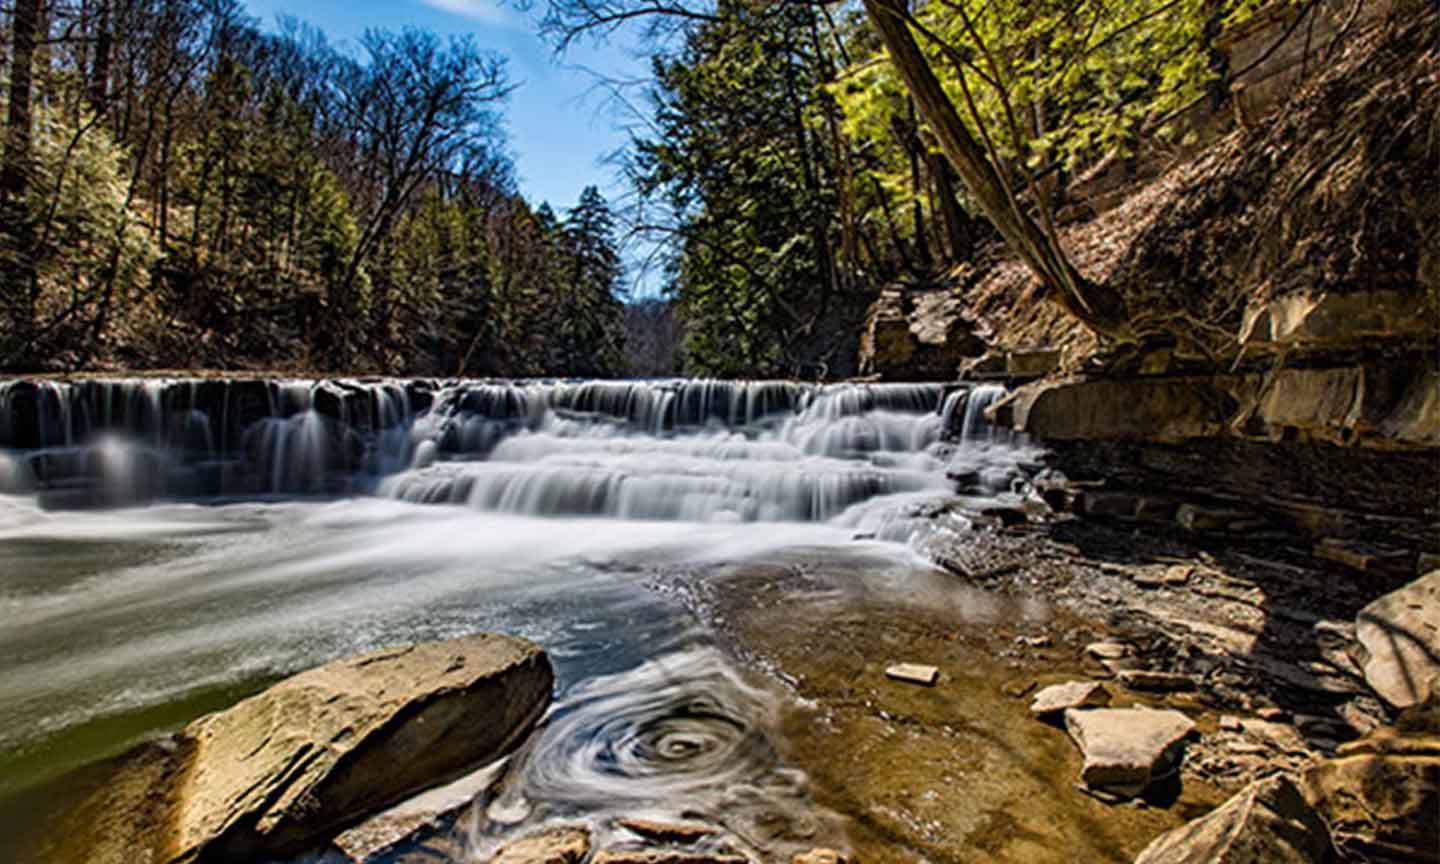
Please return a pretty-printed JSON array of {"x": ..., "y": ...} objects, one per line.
[
  {"x": 286, "y": 770},
  {"x": 556, "y": 846},
  {"x": 957, "y": 772},
  {"x": 1267, "y": 821},
  {"x": 1057, "y": 698},
  {"x": 1127, "y": 749}
]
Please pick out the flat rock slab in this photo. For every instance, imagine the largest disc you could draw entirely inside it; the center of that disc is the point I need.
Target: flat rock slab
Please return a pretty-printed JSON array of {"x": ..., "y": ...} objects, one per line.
[
  {"x": 668, "y": 832},
  {"x": 287, "y": 769},
  {"x": 667, "y": 857},
  {"x": 1155, "y": 682},
  {"x": 1107, "y": 650},
  {"x": 1266, "y": 821},
  {"x": 1127, "y": 748},
  {"x": 1074, "y": 694},
  {"x": 557, "y": 846},
  {"x": 1400, "y": 633},
  {"x": 914, "y": 673}
]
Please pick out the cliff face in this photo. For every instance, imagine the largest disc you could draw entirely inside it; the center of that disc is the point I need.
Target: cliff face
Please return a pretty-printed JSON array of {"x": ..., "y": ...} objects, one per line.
[
  {"x": 1286, "y": 281},
  {"x": 1310, "y": 236}
]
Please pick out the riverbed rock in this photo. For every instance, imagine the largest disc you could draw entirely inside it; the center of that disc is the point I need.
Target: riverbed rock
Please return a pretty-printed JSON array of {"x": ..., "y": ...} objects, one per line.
[
  {"x": 1155, "y": 682},
  {"x": 1107, "y": 650},
  {"x": 1073, "y": 694},
  {"x": 822, "y": 856},
  {"x": 668, "y": 832},
  {"x": 1266, "y": 821},
  {"x": 286, "y": 769},
  {"x": 914, "y": 673},
  {"x": 1400, "y": 635},
  {"x": 556, "y": 846},
  {"x": 1380, "y": 797},
  {"x": 667, "y": 856},
  {"x": 1126, "y": 749}
]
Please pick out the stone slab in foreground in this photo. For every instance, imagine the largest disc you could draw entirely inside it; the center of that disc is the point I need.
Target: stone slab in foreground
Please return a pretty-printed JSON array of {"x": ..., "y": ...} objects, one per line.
[
  {"x": 1266, "y": 821},
  {"x": 287, "y": 768},
  {"x": 1126, "y": 749},
  {"x": 1400, "y": 633}
]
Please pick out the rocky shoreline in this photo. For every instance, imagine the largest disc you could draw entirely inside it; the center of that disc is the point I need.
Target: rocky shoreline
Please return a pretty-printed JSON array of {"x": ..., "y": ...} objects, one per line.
[
  {"x": 1093, "y": 694},
  {"x": 1227, "y": 647}
]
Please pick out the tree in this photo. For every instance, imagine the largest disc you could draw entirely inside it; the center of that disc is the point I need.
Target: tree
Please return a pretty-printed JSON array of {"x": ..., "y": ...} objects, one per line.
[
  {"x": 591, "y": 318},
  {"x": 1023, "y": 82},
  {"x": 746, "y": 180},
  {"x": 17, "y": 271},
  {"x": 416, "y": 109}
]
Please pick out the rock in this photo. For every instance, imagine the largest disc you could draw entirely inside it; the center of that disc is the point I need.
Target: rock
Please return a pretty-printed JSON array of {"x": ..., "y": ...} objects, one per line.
[
  {"x": 1211, "y": 520},
  {"x": 822, "y": 856},
  {"x": 1400, "y": 637},
  {"x": 1031, "y": 364},
  {"x": 1167, "y": 410},
  {"x": 914, "y": 673},
  {"x": 1365, "y": 557},
  {"x": 1127, "y": 748},
  {"x": 556, "y": 846},
  {"x": 1155, "y": 682},
  {"x": 1107, "y": 650},
  {"x": 287, "y": 769},
  {"x": 1033, "y": 641},
  {"x": 668, "y": 832},
  {"x": 1230, "y": 723},
  {"x": 1380, "y": 797},
  {"x": 657, "y": 856},
  {"x": 913, "y": 335},
  {"x": 1075, "y": 694},
  {"x": 1333, "y": 319},
  {"x": 1271, "y": 713},
  {"x": 1267, "y": 821},
  {"x": 1111, "y": 504}
]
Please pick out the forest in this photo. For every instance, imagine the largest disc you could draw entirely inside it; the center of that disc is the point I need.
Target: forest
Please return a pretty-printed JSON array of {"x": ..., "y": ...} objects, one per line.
[{"x": 186, "y": 188}]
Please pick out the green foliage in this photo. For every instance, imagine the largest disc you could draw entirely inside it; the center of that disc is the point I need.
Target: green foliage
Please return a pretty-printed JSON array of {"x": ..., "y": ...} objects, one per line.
[
  {"x": 742, "y": 185},
  {"x": 266, "y": 201},
  {"x": 1055, "y": 82}
]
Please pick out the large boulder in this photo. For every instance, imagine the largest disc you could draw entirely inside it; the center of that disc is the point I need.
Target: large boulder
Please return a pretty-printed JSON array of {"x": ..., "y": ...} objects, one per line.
[
  {"x": 1400, "y": 636},
  {"x": 289, "y": 769},
  {"x": 1266, "y": 821},
  {"x": 1126, "y": 749},
  {"x": 1381, "y": 797}
]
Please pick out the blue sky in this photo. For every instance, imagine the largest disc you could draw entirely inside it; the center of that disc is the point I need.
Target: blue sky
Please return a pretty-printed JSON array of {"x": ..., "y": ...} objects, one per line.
[{"x": 560, "y": 126}]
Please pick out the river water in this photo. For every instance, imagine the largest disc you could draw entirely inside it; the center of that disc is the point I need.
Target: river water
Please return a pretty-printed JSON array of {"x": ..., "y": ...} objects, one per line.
[{"x": 169, "y": 546}]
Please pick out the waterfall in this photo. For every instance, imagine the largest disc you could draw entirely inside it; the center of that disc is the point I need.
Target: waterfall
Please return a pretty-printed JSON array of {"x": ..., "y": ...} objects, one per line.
[{"x": 652, "y": 450}]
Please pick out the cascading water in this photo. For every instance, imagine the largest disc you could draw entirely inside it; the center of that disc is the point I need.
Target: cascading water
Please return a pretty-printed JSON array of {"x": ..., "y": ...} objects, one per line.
[
  {"x": 286, "y": 528},
  {"x": 673, "y": 450}
]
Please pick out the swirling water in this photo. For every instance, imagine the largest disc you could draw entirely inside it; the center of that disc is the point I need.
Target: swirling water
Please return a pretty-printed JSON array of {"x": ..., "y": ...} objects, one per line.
[{"x": 166, "y": 546}]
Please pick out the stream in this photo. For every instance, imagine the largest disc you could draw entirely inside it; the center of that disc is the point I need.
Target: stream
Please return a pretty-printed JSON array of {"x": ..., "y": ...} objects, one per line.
[{"x": 168, "y": 546}]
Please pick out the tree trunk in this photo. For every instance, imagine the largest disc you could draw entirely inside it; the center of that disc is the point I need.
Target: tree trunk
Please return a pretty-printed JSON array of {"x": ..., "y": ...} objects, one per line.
[
  {"x": 17, "y": 264},
  {"x": 1096, "y": 306},
  {"x": 952, "y": 216},
  {"x": 100, "y": 68}
]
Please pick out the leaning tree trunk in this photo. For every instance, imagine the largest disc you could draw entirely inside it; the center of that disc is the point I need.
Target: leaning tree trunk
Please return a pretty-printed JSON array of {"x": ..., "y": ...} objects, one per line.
[
  {"x": 1098, "y": 307},
  {"x": 17, "y": 264}
]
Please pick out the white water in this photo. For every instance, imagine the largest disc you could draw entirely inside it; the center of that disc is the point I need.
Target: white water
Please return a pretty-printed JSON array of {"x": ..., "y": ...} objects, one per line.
[{"x": 537, "y": 509}]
